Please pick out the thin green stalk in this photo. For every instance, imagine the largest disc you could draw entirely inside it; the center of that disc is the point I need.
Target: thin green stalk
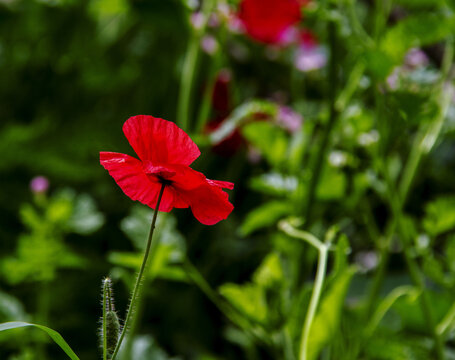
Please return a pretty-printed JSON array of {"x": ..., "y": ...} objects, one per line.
[
  {"x": 357, "y": 27},
  {"x": 323, "y": 249},
  {"x": 189, "y": 68},
  {"x": 385, "y": 306},
  {"x": 447, "y": 322},
  {"x": 378, "y": 279},
  {"x": 138, "y": 286},
  {"x": 105, "y": 285},
  {"x": 314, "y": 301},
  {"x": 215, "y": 65},
  {"x": 319, "y": 159}
]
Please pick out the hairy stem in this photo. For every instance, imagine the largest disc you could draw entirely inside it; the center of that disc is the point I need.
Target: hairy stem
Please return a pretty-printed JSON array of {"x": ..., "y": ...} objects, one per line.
[
  {"x": 137, "y": 287},
  {"x": 105, "y": 286}
]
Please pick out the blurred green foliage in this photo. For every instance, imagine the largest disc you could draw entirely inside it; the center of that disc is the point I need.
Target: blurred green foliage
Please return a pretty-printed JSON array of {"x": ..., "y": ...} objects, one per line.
[{"x": 373, "y": 156}]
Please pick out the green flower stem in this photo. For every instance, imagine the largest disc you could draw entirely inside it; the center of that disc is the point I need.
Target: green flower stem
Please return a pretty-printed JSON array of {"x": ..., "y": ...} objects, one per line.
[
  {"x": 379, "y": 276},
  {"x": 135, "y": 297},
  {"x": 215, "y": 64},
  {"x": 189, "y": 68},
  {"x": 357, "y": 27},
  {"x": 319, "y": 158},
  {"x": 314, "y": 301},
  {"x": 447, "y": 322},
  {"x": 323, "y": 249},
  {"x": 105, "y": 287},
  {"x": 386, "y": 304}
]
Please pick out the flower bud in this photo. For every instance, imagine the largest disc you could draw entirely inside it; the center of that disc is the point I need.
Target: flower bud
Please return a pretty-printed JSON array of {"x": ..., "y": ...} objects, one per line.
[{"x": 111, "y": 328}]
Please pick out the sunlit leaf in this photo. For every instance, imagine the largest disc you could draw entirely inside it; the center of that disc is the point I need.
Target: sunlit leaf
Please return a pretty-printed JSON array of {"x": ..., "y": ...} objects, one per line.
[
  {"x": 274, "y": 184},
  {"x": 58, "y": 339},
  {"x": 85, "y": 218},
  {"x": 265, "y": 215},
  {"x": 332, "y": 184},
  {"x": 11, "y": 308},
  {"x": 270, "y": 272},
  {"x": 327, "y": 319},
  {"x": 440, "y": 215},
  {"x": 248, "y": 299},
  {"x": 270, "y": 140}
]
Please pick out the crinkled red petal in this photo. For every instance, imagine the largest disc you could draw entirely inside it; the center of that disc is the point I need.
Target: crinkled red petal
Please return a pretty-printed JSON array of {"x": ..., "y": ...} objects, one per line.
[
  {"x": 221, "y": 184},
  {"x": 160, "y": 141},
  {"x": 180, "y": 176},
  {"x": 128, "y": 173},
  {"x": 209, "y": 203}
]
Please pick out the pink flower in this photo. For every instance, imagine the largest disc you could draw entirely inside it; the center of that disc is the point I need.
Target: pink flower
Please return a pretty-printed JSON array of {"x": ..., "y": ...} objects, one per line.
[
  {"x": 39, "y": 184},
  {"x": 310, "y": 55}
]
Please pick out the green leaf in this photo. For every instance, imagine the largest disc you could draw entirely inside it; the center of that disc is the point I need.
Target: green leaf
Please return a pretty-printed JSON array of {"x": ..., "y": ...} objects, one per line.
[
  {"x": 440, "y": 215},
  {"x": 249, "y": 299},
  {"x": 85, "y": 219},
  {"x": 240, "y": 116},
  {"x": 409, "y": 310},
  {"x": 270, "y": 272},
  {"x": 137, "y": 227},
  {"x": 416, "y": 31},
  {"x": 274, "y": 184},
  {"x": 327, "y": 319},
  {"x": 58, "y": 339},
  {"x": 11, "y": 308},
  {"x": 269, "y": 139},
  {"x": 332, "y": 185},
  {"x": 265, "y": 215}
]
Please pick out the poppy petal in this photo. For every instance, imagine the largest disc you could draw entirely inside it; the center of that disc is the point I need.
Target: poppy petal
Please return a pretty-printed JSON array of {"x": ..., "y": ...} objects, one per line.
[
  {"x": 181, "y": 176},
  {"x": 209, "y": 204},
  {"x": 268, "y": 20},
  {"x": 128, "y": 173},
  {"x": 160, "y": 141},
  {"x": 222, "y": 184}
]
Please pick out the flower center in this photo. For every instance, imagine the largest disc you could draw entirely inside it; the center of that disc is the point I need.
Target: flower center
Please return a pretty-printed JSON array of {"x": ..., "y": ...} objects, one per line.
[{"x": 164, "y": 181}]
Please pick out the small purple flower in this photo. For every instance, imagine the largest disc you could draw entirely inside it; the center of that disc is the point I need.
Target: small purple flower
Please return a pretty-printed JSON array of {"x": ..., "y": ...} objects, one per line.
[
  {"x": 310, "y": 58},
  {"x": 415, "y": 58},
  {"x": 197, "y": 20},
  {"x": 209, "y": 44},
  {"x": 39, "y": 184},
  {"x": 367, "y": 260},
  {"x": 214, "y": 20},
  {"x": 253, "y": 155},
  {"x": 393, "y": 80},
  {"x": 289, "y": 119}
]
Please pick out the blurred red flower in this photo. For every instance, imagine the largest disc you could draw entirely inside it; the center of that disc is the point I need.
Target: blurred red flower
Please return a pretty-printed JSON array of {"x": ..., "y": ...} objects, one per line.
[
  {"x": 165, "y": 152},
  {"x": 221, "y": 105},
  {"x": 268, "y": 20}
]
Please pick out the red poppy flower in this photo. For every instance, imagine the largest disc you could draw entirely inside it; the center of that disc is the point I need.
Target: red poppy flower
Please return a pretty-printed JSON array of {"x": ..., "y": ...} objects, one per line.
[
  {"x": 268, "y": 20},
  {"x": 165, "y": 152}
]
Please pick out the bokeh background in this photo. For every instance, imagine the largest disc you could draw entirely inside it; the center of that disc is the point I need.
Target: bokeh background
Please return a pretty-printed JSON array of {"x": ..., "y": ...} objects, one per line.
[{"x": 357, "y": 92}]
